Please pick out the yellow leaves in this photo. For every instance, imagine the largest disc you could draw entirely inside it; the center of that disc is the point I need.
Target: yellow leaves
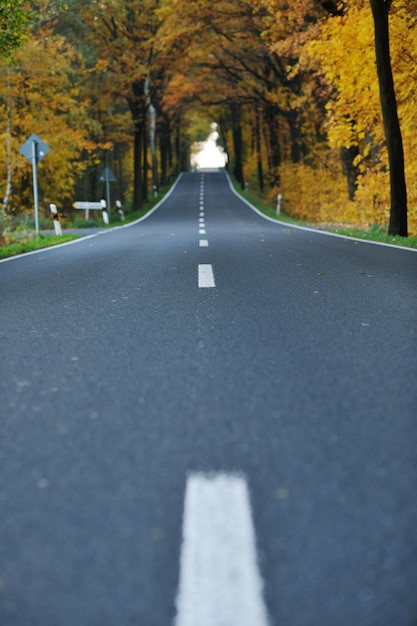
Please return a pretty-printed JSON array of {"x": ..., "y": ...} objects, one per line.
[
  {"x": 100, "y": 67},
  {"x": 44, "y": 97}
]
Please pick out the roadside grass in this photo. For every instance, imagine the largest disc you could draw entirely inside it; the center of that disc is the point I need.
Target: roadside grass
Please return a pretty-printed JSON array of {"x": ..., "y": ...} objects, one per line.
[
  {"x": 376, "y": 232},
  {"x": 20, "y": 242},
  {"x": 129, "y": 215},
  {"x": 29, "y": 243}
]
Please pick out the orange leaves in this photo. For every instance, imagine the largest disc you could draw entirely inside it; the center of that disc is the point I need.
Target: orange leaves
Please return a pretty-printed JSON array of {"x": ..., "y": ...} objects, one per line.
[{"x": 43, "y": 96}]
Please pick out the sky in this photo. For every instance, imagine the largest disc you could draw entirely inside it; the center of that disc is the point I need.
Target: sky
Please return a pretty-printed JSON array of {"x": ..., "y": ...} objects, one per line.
[{"x": 207, "y": 154}]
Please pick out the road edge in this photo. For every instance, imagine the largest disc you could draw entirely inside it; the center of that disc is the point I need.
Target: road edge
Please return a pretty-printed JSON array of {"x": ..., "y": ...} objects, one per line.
[
  {"x": 309, "y": 228},
  {"x": 102, "y": 232}
]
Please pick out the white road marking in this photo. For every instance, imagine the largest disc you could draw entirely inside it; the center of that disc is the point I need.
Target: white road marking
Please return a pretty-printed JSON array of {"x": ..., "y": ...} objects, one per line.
[
  {"x": 201, "y": 231},
  {"x": 201, "y": 220},
  {"x": 203, "y": 243},
  {"x": 205, "y": 275},
  {"x": 220, "y": 583}
]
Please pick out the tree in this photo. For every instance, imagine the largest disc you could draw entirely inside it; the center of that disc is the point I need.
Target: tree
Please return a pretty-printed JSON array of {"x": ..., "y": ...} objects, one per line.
[
  {"x": 122, "y": 34},
  {"x": 398, "y": 213},
  {"x": 13, "y": 21},
  {"x": 43, "y": 96}
]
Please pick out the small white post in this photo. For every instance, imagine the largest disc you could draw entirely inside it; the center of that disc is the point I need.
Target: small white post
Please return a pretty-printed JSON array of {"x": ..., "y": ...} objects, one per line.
[
  {"x": 57, "y": 224},
  {"x": 104, "y": 211},
  {"x": 279, "y": 199},
  {"x": 120, "y": 210}
]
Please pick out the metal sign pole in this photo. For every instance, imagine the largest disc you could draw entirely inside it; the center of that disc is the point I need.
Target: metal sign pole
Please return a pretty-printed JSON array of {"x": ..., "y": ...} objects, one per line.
[
  {"x": 35, "y": 185},
  {"x": 108, "y": 195}
]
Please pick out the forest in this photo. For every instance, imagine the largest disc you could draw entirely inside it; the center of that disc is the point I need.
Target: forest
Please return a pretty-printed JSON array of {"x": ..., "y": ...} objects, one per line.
[{"x": 297, "y": 89}]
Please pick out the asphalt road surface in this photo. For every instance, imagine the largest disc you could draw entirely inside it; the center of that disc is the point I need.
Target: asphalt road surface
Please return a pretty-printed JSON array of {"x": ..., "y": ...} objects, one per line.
[{"x": 209, "y": 419}]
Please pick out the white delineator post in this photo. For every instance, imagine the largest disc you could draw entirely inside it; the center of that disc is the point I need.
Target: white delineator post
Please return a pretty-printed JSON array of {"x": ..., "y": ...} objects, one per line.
[
  {"x": 279, "y": 200},
  {"x": 57, "y": 225},
  {"x": 120, "y": 210},
  {"x": 104, "y": 211}
]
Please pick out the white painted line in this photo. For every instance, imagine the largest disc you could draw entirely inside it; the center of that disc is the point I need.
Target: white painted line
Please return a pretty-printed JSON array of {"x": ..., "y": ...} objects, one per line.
[
  {"x": 205, "y": 275},
  {"x": 203, "y": 243},
  {"x": 313, "y": 230},
  {"x": 201, "y": 220},
  {"x": 220, "y": 584},
  {"x": 99, "y": 234},
  {"x": 201, "y": 213},
  {"x": 202, "y": 231}
]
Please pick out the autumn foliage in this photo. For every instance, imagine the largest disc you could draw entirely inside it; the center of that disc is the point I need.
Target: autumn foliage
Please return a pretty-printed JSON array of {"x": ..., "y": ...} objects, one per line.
[{"x": 130, "y": 83}]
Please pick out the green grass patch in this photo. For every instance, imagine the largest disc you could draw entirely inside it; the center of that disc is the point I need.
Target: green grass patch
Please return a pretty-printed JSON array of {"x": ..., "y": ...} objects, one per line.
[
  {"x": 19, "y": 242},
  {"x": 374, "y": 233},
  {"x": 266, "y": 209},
  {"x": 129, "y": 214},
  {"x": 35, "y": 242}
]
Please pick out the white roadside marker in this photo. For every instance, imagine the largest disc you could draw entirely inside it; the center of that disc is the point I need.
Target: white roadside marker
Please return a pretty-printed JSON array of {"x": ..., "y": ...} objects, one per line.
[
  {"x": 220, "y": 584},
  {"x": 205, "y": 276},
  {"x": 203, "y": 243}
]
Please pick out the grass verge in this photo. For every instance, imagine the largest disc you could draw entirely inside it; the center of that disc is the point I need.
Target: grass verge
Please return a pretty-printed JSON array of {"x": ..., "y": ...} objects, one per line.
[
  {"x": 35, "y": 242},
  {"x": 130, "y": 216},
  {"x": 375, "y": 232},
  {"x": 30, "y": 242}
]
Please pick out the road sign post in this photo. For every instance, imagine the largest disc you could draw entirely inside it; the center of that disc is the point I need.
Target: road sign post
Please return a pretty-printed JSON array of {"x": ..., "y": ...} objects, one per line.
[
  {"x": 34, "y": 149},
  {"x": 93, "y": 206},
  {"x": 108, "y": 177},
  {"x": 35, "y": 185}
]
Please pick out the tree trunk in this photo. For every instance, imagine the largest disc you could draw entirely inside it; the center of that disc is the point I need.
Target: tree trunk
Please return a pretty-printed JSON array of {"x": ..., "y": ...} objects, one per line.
[
  {"x": 272, "y": 123},
  {"x": 295, "y": 134},
  {"x": 152, "y": 137},
  {"x": 145, "y": 164},
  {"x": 137, "y": 108},
  {"x": 398, "y": 214},
  {"x": 350, "y": 170},
  {"x": 258, "y": 145},
  {"x": 137, "y": 167},
  {"x": 9, "y": 157},
  {"x": 237, "y": 145},
  {"x": 163, "y": 151}
]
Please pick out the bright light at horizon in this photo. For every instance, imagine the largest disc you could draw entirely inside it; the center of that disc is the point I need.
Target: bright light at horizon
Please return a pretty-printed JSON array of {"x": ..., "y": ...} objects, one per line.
[{"x": 207, "y": 154}]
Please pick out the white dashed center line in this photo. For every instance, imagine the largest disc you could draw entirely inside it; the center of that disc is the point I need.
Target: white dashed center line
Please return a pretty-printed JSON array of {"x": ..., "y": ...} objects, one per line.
[
  {"x": 205, "y": 271},
  {"x": 205, "y": 275},
  {"x": 220, "y": 583}
]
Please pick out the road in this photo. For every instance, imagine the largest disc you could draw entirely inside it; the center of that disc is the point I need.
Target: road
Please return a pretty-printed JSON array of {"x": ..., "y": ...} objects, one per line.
[{"x": 173, "y": 397}]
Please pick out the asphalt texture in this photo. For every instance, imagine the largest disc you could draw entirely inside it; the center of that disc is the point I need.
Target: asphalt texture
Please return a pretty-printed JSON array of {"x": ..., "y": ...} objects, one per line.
[{"x": 119, "y": 376}]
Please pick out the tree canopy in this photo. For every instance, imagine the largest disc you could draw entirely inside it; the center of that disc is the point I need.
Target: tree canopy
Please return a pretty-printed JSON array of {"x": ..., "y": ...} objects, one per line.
[
  {"x": 12, "y": 24},
  {"x": 298, "y": 91}
]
